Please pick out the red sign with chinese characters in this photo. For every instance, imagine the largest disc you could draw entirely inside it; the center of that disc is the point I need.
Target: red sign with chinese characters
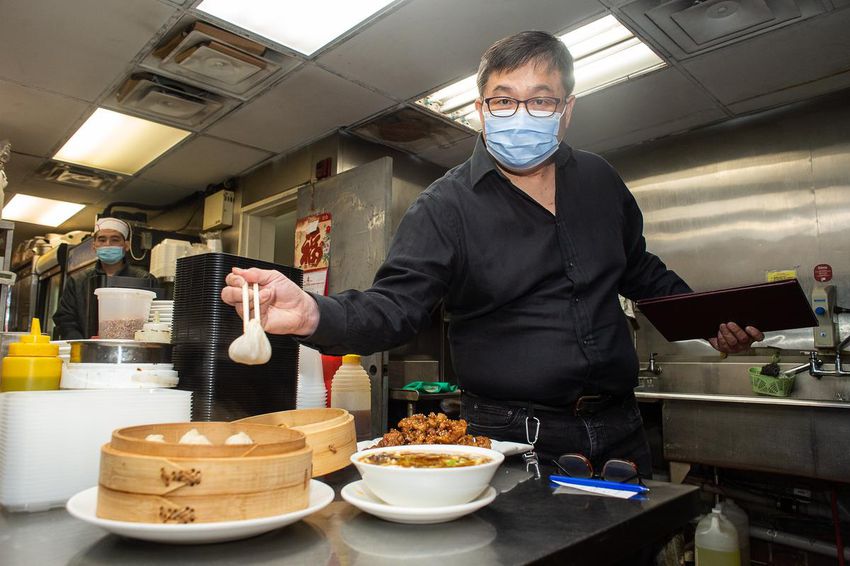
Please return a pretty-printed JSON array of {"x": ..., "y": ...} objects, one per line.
[
  {"x": 823, "y": 272},
  {"x": 312, "y": 250}
]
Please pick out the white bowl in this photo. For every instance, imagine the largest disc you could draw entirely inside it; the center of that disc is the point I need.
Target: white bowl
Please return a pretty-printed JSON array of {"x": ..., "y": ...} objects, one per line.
[{"x": 428, "y": 487}]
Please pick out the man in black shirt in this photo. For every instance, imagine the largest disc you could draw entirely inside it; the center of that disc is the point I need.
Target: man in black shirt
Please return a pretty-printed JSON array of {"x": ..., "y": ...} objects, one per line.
[
  {"x": 528, "y": 242},
  {"x": 111, "y": 244}
]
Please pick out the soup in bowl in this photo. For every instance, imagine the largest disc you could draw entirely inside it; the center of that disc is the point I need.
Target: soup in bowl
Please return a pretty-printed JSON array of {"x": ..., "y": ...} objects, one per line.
[{"x": 432, "y": 475}]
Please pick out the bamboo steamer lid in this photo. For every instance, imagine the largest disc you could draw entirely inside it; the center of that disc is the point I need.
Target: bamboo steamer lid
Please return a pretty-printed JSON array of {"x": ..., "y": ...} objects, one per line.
[
  {"x": 156, "y": 475},
  {"x": 144, "y": 508},
  {"x": 267, "y": 440},
  {"x": 329, "y": 432}
]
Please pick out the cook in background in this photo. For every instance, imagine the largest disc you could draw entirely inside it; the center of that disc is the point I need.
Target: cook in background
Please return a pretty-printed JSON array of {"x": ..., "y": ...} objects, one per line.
[
  {"x": 111, "y": 243},
  {"x": 528, "y": 243}
]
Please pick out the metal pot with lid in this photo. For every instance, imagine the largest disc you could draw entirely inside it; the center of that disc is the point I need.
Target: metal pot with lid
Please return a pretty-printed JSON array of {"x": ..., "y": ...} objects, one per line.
[{"x": 119, "y": 352}]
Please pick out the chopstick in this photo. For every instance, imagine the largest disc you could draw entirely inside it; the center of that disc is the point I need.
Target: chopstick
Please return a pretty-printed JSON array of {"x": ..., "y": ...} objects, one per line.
[
  {"x": 257, "y": 301},
  {"x": 246, "y": 309}
]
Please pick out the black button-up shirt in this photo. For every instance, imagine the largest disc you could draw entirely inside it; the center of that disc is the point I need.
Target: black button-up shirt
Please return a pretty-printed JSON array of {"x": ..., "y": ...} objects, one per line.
[{"x": 532, "y": 296}]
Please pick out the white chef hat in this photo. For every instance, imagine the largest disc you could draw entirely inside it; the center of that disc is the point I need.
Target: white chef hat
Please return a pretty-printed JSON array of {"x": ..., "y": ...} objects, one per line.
[{"x": 112, "y": 224}]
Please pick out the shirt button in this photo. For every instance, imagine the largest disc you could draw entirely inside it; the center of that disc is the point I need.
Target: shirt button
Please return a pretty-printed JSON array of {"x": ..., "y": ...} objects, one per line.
[
  {"x": 584, "y": 342},
  {"x": 575, "y": 300},
  {"x": 570, "y": 265}
]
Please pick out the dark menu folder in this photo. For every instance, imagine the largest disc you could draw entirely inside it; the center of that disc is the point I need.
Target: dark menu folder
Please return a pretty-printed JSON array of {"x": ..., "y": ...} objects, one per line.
[{"x": 767, "y": 306}]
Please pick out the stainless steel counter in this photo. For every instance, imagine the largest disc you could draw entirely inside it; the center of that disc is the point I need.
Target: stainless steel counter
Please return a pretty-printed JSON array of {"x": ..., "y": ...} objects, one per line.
[{"x": 526, "y": 524}]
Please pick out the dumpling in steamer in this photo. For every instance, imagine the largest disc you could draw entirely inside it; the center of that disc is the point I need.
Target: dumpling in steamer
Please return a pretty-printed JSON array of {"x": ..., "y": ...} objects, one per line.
[
  {"x": 194, "y": 437},
  {"x": 155, "y": 438},
  {"x": 239, "y": 438}
]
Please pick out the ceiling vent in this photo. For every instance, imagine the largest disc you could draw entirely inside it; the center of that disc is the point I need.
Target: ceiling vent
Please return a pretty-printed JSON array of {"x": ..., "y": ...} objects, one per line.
[
  {"x": 170, "y": 101},
  {"x": 690, "y": 26},
  {"x": 217, "y": 60},
  {"x": 412, "y": 130},
  {"x": 76, "y": 176}
]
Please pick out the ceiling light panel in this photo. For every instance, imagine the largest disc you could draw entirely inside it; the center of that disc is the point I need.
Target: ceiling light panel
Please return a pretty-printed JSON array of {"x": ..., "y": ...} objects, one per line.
[
  {"x": 119, "y": 143},
  {"x": 604, "y": 53},
  {"x": 305, "y": 27},
  {"x": 37, "y": 210}
]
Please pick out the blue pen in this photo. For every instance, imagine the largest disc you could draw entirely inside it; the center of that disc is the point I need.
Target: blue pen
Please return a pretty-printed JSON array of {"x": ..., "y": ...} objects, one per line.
[{"x": 566, "y": 480}]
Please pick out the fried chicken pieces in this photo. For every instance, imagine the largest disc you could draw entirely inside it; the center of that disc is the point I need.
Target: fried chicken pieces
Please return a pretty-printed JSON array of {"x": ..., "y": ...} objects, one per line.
[{"x": 436, "y": 428}]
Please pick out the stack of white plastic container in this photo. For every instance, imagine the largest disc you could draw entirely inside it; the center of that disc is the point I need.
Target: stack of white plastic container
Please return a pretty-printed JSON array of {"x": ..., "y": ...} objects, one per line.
[
  {"x": 50, "y": 440},
  {"x": 310, "y": 391}
]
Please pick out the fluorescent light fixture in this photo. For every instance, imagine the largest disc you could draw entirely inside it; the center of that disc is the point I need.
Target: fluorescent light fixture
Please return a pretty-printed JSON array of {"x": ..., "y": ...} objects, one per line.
[
  {"x": 604, "y": 53},
  {"x": 118, "y": 142},
  {"x": 305, "y": 27},
  {"x": 37, "y": 210}
]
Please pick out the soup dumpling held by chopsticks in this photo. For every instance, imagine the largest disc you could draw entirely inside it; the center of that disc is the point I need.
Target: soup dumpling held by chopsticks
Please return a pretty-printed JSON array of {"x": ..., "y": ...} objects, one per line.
[{"x": 253, "y": 347}]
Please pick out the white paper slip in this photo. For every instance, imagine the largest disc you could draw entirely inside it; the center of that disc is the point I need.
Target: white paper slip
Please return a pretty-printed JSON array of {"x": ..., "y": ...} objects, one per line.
[{"x": 601, "y": 491}]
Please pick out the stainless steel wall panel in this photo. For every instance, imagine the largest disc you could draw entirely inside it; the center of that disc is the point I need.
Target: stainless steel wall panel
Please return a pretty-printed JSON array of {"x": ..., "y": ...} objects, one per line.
[{"x": 724, "y": 205}]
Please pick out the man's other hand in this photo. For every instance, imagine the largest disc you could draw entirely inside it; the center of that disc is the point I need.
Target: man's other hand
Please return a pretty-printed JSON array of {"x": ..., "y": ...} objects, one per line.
[{"x": 732, "y": 339}]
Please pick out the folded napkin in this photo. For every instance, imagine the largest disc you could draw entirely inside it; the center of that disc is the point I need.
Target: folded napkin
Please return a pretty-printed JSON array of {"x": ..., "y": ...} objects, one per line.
[{"x": 430, "y": 387}]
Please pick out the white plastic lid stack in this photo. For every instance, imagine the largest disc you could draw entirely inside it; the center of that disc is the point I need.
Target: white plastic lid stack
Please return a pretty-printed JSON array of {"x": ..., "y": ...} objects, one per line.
[
  {"x": 50, "y": 440},
  {"x": 310, "y": 391}
]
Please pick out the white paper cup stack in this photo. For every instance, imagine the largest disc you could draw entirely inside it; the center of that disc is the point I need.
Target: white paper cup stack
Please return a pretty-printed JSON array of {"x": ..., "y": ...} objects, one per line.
[{"x": 310, "y": 391}]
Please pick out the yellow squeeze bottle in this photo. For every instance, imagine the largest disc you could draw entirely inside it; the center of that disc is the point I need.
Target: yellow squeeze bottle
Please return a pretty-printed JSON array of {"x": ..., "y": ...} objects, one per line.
[{"x": 33, "y": 364}]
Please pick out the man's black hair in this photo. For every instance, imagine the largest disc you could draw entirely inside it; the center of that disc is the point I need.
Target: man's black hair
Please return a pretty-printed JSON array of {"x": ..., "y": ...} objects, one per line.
[{"x": 524, "y": 47}]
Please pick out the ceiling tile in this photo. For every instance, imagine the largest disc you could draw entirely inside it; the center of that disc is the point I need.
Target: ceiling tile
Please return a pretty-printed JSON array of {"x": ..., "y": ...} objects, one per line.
[
  {"x": 76, "y": 48},
  {"x": 656, "y": 104},
  {"x": 36, "y": 121},
  {"x": 203, "y": 161},
  {"x": 781, "y": 59},
  {"x": 145, "y": 191},
  {"x": 309, "y": 103},
  {"x": 428, "y": 43}
]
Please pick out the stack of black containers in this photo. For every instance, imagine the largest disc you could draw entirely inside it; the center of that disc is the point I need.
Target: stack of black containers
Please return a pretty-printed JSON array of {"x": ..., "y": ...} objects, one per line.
[{"x": 203, "y": 328}]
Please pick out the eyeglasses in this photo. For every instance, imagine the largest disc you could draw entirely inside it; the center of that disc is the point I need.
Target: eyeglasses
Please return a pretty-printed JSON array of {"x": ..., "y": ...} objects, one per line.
[
  {"x": 539, "y": 106},
  {"x": 614, "y": 470}
]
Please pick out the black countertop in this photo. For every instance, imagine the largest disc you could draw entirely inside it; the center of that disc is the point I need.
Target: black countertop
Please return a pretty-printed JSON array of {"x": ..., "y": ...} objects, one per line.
[{"x": 527, "y": 523}]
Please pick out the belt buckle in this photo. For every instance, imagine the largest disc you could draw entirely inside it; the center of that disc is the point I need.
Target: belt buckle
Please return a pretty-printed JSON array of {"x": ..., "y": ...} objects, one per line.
[{"x": 582, "y": 400}]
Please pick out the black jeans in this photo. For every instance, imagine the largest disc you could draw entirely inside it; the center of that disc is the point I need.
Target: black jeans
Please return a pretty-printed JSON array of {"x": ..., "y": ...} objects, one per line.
[{"x": 614, "y": 432}]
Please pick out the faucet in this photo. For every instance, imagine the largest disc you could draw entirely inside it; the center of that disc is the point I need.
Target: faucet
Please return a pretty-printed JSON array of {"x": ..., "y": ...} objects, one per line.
[
  {"x": 838, "y": 369},
  {"x": 653, "y": 367},
  {"x": 815, "y": 364}
]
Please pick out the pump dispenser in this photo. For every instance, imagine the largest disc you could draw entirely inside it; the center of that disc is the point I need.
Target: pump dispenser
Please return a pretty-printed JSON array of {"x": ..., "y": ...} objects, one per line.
[
  {"x": 32, "y": 364},
  {"x": 717, "y": 541},
  {"x": 351, "y": 390}
]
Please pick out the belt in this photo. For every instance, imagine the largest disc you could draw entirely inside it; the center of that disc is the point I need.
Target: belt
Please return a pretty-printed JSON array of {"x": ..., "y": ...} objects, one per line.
[{"x": 584, "y": 405}]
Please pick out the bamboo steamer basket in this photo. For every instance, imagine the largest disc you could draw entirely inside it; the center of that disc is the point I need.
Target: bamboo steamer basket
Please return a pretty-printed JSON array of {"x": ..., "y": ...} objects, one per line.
[
  {"x": 330, "y": 433},
  {"x": 155, "y": 482}
]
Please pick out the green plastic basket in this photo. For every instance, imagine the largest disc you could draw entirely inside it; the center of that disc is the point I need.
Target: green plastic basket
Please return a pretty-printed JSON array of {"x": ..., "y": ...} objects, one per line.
[{"x": 768, "y": 385}]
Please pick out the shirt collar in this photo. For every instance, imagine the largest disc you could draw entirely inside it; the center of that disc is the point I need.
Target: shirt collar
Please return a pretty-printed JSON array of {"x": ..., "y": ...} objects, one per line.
[{"x": 482, "y": 162}]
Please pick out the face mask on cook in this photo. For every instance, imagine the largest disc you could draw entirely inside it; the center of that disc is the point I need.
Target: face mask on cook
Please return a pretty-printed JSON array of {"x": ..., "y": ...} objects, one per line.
[
  {"x": 110, "y": 254},
  {"x": 521, "y": 142}
]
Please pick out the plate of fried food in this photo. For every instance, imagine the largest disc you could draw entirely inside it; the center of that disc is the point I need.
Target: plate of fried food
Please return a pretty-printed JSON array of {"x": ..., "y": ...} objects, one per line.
[{"x": 437, "y": 428}]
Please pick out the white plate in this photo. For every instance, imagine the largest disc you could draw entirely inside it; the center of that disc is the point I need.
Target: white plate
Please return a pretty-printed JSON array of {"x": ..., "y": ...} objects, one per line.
[
  {"x": 83, "y": 506},
  {"x": 505, "y": 447},
  {"x": 359, "y": 495}
]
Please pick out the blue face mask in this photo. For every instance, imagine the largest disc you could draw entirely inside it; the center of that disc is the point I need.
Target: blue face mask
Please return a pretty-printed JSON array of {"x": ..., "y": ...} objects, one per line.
[
  {"x": 110, "y": 254},
  {"x": 521, "y": 142}
]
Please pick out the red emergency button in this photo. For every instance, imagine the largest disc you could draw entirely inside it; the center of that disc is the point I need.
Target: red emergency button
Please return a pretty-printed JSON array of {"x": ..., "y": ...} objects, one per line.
[{"x": 823, "y": 272}]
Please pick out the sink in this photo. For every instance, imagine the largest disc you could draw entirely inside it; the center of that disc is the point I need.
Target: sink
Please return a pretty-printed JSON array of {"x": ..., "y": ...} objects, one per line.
[
  {"x": 711, "y": 416},
  {"x": 730, "y": 383}
]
